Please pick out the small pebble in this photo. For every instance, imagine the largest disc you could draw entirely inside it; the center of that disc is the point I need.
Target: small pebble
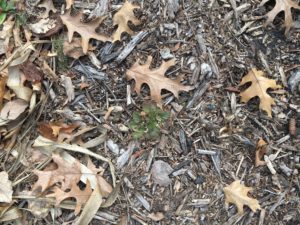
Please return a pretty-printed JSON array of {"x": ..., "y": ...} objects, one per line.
[{"x": 199, "y": 180}]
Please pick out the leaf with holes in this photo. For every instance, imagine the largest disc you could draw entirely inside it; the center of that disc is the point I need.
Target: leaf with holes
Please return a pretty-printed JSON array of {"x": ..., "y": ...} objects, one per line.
[
  {"x": 87, "y": 31},
  {"x": 282, "y": 5},
  {"x": 122, "y": 17},
  {"x": 237, "y": 194},
  {"x": 258, "y": 88},
  {"x": 155, "y": 79}
]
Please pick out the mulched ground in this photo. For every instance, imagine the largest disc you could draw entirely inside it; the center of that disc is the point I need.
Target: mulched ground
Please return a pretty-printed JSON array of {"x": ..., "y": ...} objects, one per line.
[{"x": 214, "y": 55}]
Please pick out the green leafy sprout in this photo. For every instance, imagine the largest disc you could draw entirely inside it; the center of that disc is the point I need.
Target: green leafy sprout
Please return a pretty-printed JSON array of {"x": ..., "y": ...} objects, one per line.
[
  {"x": 146, "y": 124},
  {"x": 5, "y": 8},
  {"x": 62, "y": 60}
]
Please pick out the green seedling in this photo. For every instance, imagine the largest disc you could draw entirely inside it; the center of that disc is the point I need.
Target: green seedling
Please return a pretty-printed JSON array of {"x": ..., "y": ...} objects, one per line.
[
  {"x": 146, "y": 124},
  {"x": 62, "y": 60},
  {"x": 5, "y": 8}
]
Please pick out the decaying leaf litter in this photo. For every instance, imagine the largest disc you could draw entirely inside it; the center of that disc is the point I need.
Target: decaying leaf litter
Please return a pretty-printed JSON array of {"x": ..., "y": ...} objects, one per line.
[{"x": 76, "y": 75}]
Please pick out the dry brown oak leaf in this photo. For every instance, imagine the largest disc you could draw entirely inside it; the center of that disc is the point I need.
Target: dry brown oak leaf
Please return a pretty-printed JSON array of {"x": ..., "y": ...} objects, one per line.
[
  {"x": 259, "y": 87},
  {"x": 81, "y": 196},
  {"x": 155, "y": 79},
  {"x": 236, "y": 193},
  {"x": 282, "y": 5},
  {"x": 122, "y": 17},
  {"x": 87, "y": 31},
  {"x": 66, "y": 174}
]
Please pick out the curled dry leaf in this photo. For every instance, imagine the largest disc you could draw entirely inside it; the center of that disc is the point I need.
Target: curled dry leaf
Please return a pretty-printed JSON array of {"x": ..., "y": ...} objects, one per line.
[
  {"x": 122, "y": 17},
  {"x": 87, "y": 31},
  {"x": 261, "y": 149},
  {"x": 258, "y": 88},
  {"x": 5, "y": 188},
  {"x": 155, "y": 79},
  {"x": 48, "y": 5},
  {"x": 158, "y": 216},
  {"x": 160, "y": 173},
  {"x": 56, "y": 131},
  {"x": 73, "y": 49},
  {"x": 282, "y": 5},
  {"x": 236, "y": 193}
]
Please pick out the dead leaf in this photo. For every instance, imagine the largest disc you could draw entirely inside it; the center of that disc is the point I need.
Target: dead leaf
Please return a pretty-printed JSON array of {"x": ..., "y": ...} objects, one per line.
[
  {"x": 160, "y": 173},
  {"x": 87, "y": 31},
  {"x": 155, "y": 79},
  {"x": 81, "y": 196},
  {"x": 261, "y": 149},
  {"x": 31, "y": 72},
  {"x": 13, "y": 109},
  {"x": 73, "y": 49},
  {"x": 48, "y": 5},
  {"x": 259, "y": 87},
  {"x": 56, "y": 131},
  {"x": 122, "y": 17},
  {"x": 5, "y": 188},
  {"x": 282, "y": 5},
  {"x": 91, "y": 207},
  {"x": 16, "y": 83},
  {"x": 6, "y": 33},
  {"x": 66, "y": 174},
  {"x": 236, "y": 193},
  {"x": 69, "y": 3}
]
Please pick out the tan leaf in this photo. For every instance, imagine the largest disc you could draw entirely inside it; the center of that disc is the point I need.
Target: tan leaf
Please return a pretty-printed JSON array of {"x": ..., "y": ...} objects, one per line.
[
  {"x": 66, "y": 174},
  {"x": 87, "y": 31},
  {"x": 122, "y": 17},
  {"x": 69, "y": 3},
  {"x": 13, "y": 109},
  {"x": 282, "y": 5},
  {"x": 258, "y": 88},
  {"x": 16, "y": 83},
  {"x": 155, "y": 79},
  {"x": 5, "y": 188},
  {"x": 236, "y": 193},
  {"x": 81, "y": 196},
  {"x": 48, "y": 5},
  {"x": 73, "y": 49},
  {"x": 104, "y": 186},
  {"x": 261, "y": 149}
]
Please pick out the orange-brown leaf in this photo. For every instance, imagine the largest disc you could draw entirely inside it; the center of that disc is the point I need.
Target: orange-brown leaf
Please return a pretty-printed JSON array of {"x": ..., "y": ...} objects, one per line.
[
  {"x": 282, "y": 5},
  {"x": 237, "y": 194},
  {"x": 258, "y": 88},
  {"x": 122, "y": 17},
  {"x": 155, "y": 79},
  {"x": 87, "y": 31},
  {"x": 53, "y": 130},
  {"x": 261, "y": 149},
  {"x": 65, "y": 174},
  {"x": 81, "y": 196}
]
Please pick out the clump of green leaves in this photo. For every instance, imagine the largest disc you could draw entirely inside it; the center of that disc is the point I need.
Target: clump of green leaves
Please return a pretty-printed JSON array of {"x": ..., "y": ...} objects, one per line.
[
  {"x": 146, "y": 124},
  {"x": 62, "y": 60},
  {"x": 5, "y": 8}
]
